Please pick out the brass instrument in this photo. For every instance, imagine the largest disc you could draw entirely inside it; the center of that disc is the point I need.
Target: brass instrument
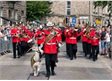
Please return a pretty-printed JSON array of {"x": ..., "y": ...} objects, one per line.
[
  {"x": 97, "y": 35},
  {"x": 50, "y": 36},
  {"x": 15, "y": 35},
  {"x": 87, "y": 32},
  {"x": 64, "y": 23}
]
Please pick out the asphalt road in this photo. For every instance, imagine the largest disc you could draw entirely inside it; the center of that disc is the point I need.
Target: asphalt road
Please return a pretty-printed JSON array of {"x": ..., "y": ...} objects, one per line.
[{"x": 77, "y": 69}]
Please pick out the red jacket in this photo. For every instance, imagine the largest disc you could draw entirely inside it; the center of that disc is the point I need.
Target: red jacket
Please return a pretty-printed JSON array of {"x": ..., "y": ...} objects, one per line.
[
  {"x": 95, "y": 41},
  {"x": 25, "y": 39},
  {"x": 83, "y": 36},
  {"x": 65, "y": 33},
  {"x": 14, "y": 32},
  {"x": 71, "y": 38},
  {"x": 40, "y": 35},
  {"x": 51, "y": 46},
  {"x": 91, "y": 34},
  {"x": 59, "y": 34},
  {"x": 29, "y": 33},
  {"x": 88, "y": 41}
]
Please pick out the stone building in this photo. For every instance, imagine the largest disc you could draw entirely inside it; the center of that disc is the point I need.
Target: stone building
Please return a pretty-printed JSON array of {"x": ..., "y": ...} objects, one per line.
[
  {"x": 83, "y": 11},
  {"x": 12, "y": 10}
]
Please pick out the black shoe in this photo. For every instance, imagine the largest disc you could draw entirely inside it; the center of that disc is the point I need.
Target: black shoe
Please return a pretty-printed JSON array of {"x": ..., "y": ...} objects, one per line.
[
  {"x": 53, "y": 73},
  {"x": 14, "y": 57},
  {"x": 47, "y": 75},
  {"x": 18, "y": 56},
  {"x": 56, "y": 61},
  {"x": 2, "y": 54},
  {"x": 55, "y": 65},
  {"x": 94, "y": 60},
  {"x": 75, "y": 57},
  {"x": 71, "y": 58},
  {"x": 90, "y": 57},
  {"x": 85, "y": 55}
]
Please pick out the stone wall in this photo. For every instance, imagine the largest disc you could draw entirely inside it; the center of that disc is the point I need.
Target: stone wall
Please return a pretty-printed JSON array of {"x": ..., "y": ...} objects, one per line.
[{"x": 19, "y": 10}]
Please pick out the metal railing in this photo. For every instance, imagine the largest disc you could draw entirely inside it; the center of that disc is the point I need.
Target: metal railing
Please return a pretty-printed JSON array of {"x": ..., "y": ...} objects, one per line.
[{"x": 5, "y": 45}]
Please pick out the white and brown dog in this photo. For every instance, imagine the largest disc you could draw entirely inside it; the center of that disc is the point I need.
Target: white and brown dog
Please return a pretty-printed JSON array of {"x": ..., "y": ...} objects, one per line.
[{"x": 35, "y": 61}]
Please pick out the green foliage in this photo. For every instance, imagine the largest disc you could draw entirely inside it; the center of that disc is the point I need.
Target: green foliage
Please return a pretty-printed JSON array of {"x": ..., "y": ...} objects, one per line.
[
  {"x": 37, "y": 9},
  {"x": 103, "y": 4}
]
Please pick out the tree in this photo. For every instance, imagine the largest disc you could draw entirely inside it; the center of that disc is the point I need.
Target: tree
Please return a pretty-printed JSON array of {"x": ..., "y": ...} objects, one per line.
[
  {"x": 103, "y": 4},
  {"x": 37, "y": 9}
]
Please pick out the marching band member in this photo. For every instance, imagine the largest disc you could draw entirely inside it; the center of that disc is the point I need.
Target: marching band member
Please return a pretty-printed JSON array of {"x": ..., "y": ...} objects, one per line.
[
  {"x": 84, "y": 43},
  {"x": 40, "y": 37},
  {"x": 24, "y": 44},
  {"x": 50, "y": 50},
  {"x": 89, "y": 47},
  {"x": 95, "y": 46},
  {"x": 59, "y": 39},
  {"x": 71, "y": 39},
  {"x": 15, "y": 41},
  {"x": 67, "y": 44}
]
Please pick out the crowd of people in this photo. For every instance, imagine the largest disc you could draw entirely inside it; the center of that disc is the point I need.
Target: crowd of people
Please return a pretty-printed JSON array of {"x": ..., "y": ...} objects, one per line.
[{"x": 95, "y": 40}]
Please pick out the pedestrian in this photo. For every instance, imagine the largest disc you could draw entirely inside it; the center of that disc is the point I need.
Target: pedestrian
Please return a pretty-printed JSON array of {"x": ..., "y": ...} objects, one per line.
[
  {"x": 103, "y": 41},
  {"x": 107, "y": 38}
]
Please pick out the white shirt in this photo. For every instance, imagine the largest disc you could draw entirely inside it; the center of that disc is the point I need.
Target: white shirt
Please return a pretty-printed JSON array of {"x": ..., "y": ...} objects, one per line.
[
  {"x": 1, "y": 34},
  {"x": 107, "y": 37}
]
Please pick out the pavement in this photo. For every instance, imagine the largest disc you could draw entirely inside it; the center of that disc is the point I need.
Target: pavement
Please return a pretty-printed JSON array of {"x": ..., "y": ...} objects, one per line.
[{"x": 77, "y": 69}]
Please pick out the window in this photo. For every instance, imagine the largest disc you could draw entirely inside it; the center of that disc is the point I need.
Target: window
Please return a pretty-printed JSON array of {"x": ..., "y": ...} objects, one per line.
[
  {"x": 68, "y": 8},
  {"x": 68, "y": 11},
  {"x": 68, "y": 4},
  {"x": 10, "y": 14},
  {"x": 16, "y": 15},
  {"x": 22, "y": 12}
]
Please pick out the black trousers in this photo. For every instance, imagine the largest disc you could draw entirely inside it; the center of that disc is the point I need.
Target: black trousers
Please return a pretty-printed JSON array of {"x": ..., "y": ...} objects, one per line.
[
  {"x": 72, "y": 49},
  {"x": 89, "y": 49},
  {"x": 23, "y": 47},
  {"x": 84, "y": 46},
  {"x": 16, "y": 47},
  {"x": 95, "y": 51},
  {"x": 50, "y": 60},
  {"x": 67, "y": 49}
]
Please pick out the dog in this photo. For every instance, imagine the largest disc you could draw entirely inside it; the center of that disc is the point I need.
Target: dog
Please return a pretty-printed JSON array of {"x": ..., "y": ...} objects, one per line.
[{"x": 36, "y": 62}]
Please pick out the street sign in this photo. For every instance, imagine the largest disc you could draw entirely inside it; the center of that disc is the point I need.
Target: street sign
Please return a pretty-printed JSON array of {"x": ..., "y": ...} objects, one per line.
[{"x": 73, "y": 22}]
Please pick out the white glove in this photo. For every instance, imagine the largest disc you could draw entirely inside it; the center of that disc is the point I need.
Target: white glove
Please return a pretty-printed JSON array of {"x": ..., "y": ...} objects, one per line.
[
  {"x": 30, "y": 40},
  {"x": 59, "y": 44},
  {"x": 84, "y": 30},
  {"x": 76, "y": 29},
  {"x": 67, "y": 30},
  {"x": 5, "y": 38},
  {"x": 40, "y": 48}
]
